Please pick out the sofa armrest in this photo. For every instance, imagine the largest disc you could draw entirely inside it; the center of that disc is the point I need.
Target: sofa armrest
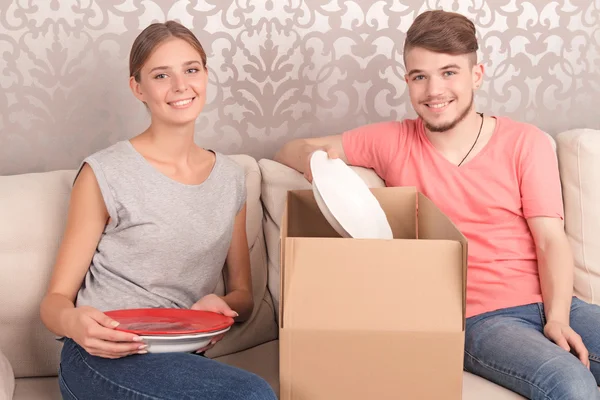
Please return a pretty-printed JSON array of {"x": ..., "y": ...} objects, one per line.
[
  {"x": 579, "y": 163},
  {"x": 7, "y": 379}
]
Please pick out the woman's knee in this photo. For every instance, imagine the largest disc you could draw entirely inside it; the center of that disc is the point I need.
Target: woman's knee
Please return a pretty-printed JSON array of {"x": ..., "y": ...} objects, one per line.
[
  {"x": 256, "y": 388},
  {"x": 65, "y": 390}
]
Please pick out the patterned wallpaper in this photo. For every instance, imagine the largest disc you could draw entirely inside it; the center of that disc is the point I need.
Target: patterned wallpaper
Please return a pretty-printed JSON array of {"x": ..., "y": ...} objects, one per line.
[{"x": 278, "y": 69}]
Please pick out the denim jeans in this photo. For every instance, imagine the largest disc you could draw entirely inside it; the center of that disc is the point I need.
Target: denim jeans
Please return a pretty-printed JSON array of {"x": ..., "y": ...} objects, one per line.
[
  {"x": 155, "y": 376},
  {"x": 508, "y": 347}
]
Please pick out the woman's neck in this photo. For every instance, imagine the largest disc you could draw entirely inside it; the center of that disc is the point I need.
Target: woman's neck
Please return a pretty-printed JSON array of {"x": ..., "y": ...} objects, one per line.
[{"x": 174, "y": 143}]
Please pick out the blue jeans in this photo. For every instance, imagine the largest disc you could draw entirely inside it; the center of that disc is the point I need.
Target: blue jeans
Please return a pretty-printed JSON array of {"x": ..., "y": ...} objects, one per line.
[
  {"x": 155, "y": 376},
  {"x": 508, "y": 347}
]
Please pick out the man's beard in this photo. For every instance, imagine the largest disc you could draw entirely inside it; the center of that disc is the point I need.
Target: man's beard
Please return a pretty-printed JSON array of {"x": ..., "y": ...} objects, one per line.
[{"x": 452, "y": 124}]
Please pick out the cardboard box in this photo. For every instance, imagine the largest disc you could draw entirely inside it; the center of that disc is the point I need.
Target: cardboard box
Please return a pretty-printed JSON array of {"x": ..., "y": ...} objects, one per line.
[{"x": 372, "y": 319}]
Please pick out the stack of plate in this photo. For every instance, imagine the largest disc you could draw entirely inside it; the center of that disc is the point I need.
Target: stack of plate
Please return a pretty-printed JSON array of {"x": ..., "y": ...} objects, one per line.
[
  {"x": 166, "y": 330},
  {"x": 346, "y": 201}
]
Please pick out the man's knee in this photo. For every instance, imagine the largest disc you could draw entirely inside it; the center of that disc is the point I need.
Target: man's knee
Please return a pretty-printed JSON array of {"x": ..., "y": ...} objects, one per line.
[{"x": 573, "y": 384}]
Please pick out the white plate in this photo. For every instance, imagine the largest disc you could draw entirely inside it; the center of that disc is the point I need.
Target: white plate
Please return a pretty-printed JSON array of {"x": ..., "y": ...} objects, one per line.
[
  {"x": 178, "y": 343},
  {"x": 346, "y": 201}
]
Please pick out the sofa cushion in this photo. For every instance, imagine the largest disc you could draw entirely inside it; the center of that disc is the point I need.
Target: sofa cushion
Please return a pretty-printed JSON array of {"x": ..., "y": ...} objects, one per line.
[
  {"x": 37, "y": 388},
  {"x": 33, "y": 208},
  {"x": 7, "y": 379},
  {"x": 277, "y": 179},
  {"x": 477, "y": 388},
  {"x": 579, "y": 163},
  {"x": 262, "y": 326}
]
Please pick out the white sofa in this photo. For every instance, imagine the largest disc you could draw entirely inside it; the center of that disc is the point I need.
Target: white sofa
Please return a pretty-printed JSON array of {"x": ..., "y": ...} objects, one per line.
[{"x": 32, "y": 215}]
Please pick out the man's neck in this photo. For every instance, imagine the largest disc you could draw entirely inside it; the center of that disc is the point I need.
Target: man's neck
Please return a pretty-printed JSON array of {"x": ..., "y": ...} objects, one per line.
[{"x": 459, "y": 137}]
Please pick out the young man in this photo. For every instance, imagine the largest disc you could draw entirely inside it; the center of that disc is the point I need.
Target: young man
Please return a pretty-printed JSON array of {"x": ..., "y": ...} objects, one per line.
[{"x": 498, "y": 181}]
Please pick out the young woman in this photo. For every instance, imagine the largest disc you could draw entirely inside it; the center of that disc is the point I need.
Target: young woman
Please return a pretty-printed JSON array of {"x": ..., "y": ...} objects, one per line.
[{"x": 151, "y": 223}]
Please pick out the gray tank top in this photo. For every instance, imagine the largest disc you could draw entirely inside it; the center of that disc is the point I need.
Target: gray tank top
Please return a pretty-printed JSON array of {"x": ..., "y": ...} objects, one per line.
[{"x": 167, "y": 242}]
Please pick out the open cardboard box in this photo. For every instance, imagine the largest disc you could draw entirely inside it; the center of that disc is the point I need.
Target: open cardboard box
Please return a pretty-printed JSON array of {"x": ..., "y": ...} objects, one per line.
[{"x": 372, "y": 319}]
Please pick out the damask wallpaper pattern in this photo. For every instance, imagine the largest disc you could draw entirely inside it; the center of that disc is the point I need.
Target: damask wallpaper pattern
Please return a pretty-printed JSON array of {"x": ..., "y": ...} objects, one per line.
[{"x": 278, "y": 69}]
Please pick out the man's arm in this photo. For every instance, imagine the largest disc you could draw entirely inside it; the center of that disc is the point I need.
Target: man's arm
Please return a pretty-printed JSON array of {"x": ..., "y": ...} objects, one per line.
[
  {"x": 541, "y": 199},
  {"x": 296, "y": 154},
  {"x": 555, "y": 265},
  {"x": 373, "y": 146}
]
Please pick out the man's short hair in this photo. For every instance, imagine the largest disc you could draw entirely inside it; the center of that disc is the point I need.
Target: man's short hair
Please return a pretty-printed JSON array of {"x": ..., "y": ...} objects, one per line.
[{"x": 443, "y": 32}]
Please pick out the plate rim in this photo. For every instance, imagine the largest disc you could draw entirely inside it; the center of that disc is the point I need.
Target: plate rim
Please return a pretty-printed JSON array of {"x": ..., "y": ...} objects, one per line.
[
  {"x": 116, "y": 314},
  {"x": 167, "y": 338},
  {"x": 318, "y": 184}
]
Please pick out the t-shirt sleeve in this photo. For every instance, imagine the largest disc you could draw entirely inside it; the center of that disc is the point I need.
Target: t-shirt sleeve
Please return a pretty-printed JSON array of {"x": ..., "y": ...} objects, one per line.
[
  {"x": 242, "y": 192},
  {"x": 107, "y": 192},
  {"x": 539, "y": 177},
  {"x": 373, "y": 146}
]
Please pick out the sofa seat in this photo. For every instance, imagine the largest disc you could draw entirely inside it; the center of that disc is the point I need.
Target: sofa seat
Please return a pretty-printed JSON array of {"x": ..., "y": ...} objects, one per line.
[
  {"x": 37, "y": 389},
  {"x": 263, "y": 360}
]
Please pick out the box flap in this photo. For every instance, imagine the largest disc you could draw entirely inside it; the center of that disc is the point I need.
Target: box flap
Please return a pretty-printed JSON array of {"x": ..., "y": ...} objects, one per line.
[
  {"x": 434, "y": 224},
  {"x": 301, "y": 217},
  {"x": 320, "y": 269},
  {"x": 399, "y": 205},
  {"x": 283, "y": 233},
  {"x": 362, "y": 284},
  {"x": 305, "y": 218}
]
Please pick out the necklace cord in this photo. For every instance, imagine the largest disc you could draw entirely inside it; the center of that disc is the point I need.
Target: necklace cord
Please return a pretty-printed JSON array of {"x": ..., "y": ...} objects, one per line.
[{"x": 475, "y": 142}]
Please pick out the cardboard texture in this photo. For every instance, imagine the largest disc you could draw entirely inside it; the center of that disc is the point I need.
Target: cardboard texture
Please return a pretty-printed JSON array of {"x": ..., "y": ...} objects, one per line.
[{"x": 372, "y": 319}]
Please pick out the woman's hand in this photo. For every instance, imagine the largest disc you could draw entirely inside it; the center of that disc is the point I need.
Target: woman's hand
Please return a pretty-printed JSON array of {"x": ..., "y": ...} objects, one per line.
[
  {"x": 95, "y": 332},
  {"x": 212, "y": 343},
  {"x": 214, "y": 303}
]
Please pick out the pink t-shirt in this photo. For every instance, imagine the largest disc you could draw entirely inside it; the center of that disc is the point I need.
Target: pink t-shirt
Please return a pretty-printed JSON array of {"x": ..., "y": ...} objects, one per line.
[{"x": 514, "y": 177}]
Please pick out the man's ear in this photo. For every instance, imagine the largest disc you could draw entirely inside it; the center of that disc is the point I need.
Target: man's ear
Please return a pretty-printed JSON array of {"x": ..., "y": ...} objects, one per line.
[
  {"x": 478, "y": 70},
  {"x": 136, "y": 89}
]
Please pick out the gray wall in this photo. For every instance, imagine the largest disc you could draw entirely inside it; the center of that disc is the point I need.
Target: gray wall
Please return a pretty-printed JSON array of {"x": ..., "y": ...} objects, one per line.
[{"x": 278, "y": 69}]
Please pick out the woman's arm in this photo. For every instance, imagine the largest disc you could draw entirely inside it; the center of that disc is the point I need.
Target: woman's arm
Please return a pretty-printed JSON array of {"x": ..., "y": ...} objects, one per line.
[
  {"x": 238, "y": 279},
  {"x": 86, "y": 219},
  {"x": 90, "y": 328}
]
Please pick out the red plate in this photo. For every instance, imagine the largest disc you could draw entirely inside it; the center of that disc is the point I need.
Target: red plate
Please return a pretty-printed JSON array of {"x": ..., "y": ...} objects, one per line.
[{"x": 168, "y": 321}]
